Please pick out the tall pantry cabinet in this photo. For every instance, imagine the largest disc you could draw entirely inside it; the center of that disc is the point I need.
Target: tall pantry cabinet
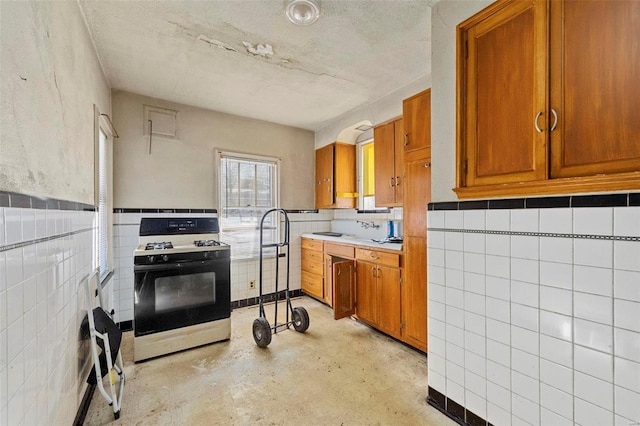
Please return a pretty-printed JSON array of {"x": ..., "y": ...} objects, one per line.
[{"x": 417, "y": 194}]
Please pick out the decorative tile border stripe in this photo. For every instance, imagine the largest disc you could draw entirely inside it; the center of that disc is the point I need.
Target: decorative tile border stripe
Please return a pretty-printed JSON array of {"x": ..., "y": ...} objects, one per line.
[
  {"x": 14, "y": 246},
  {"x": 606, "y": 200},
  {"x": 539, "y": 234},
  {"x": 119, "y": 210},
  {"x": 23, "y": 201},
  {"x": 385, "y": 211},
  {"x": 302, "y": 211}
]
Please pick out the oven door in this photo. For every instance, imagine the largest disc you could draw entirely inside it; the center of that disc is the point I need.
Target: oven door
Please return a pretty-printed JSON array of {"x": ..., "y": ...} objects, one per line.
[{"x": 175, "y": 295}]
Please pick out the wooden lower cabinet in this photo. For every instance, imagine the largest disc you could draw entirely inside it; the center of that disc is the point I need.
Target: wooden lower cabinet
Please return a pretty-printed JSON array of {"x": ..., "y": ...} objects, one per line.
[
  {"x": 378, "y": 290},
  {"x": 414, "y": 293},
  {"x": 383, "y": 288},
  {"x": 366, "y": 292},
  {"x": 312, "y": 276},
  {"x": 343, "y": 278},
  {"x": 389, "y": 306}
]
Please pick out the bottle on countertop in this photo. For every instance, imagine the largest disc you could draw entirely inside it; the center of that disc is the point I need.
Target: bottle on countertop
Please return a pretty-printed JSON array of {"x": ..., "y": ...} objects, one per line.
[{"x": 390, "y": 232}]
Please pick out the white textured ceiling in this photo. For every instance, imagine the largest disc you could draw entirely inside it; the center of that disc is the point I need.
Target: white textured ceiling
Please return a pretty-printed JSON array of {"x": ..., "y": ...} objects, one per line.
[{"x": 193, "y": 52}]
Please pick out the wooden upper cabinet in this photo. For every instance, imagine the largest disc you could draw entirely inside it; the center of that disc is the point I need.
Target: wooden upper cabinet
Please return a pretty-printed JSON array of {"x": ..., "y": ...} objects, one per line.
[
  {"x": 548, "y": 91},
  {"x": 417, "y": 196},
  {"x": 595, "y": 87},
  {"x": 388, "y": 163},
  {"x": 336, "y": 176},
  {"x": 505, "y": 92},
  {"x": 324, "y": 176},
  {"x": 416, "y": 112}
]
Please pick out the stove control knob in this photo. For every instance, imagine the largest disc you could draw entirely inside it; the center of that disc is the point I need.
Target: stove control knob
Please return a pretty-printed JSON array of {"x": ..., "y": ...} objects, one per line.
[
  {"x": 207, "y": 254},
  {"x": 151, "y": 259},
  {"x": 165, "y": 258}
]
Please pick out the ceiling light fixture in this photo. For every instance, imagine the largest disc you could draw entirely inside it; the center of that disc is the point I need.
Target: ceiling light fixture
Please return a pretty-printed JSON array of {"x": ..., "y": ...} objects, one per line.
[{"x": 303, "y": 12}]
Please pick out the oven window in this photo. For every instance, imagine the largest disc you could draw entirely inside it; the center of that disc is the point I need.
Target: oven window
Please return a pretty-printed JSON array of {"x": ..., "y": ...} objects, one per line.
[{"x": 177, "y": 292}]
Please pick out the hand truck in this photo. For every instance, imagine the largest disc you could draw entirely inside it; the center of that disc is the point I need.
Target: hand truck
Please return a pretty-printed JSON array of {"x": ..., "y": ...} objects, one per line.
[{"x": 299, "y": 317}]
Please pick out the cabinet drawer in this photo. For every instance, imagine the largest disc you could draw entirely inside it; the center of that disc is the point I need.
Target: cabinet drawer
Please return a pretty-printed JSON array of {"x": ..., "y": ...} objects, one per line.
[
  {"x": 379, "y": 257},
  {"x": 313, "y": 266},
  {"x": 339, "y": 250},
  {"x": 312, "y": 284},
  {"x": 311, "y": 244},
  {"x": 312, "y": 255}
]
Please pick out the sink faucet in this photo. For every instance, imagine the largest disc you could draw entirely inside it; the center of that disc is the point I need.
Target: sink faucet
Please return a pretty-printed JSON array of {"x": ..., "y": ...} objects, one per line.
[{"x": 367, "y": 225}]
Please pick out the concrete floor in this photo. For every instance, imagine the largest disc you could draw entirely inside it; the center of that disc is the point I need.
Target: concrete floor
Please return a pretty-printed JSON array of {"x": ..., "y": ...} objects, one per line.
[{"x": 338, "y": 372}]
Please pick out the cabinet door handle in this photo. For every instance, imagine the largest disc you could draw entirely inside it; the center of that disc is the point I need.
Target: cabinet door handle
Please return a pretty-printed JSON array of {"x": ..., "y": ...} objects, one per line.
[
  {"x": 378, "y": 276},
  {"x": 555, "y": 119},
  {"x": 427, "y": 165},
  {"x": 373, "y": 271},
  {"x": 391, "y": 182},
  {"x": 535, "y": 122},
  {"x": 397, "y": 180},
  {"x": 338, "y": 268},
  {"x": 406, "y": 139}
]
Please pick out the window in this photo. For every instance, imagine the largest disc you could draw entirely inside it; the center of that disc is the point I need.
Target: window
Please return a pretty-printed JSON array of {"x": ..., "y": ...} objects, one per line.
[
  {"x": 366, "y": 176},
  {"x": 102, "y": 202},
  {"x": 248, "y": 188},
  {"x": 103, "y": 191}
]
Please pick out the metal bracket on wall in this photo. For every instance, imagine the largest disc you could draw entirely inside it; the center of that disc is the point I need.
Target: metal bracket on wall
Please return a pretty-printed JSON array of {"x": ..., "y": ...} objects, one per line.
[{"x": 150, "y": 134}]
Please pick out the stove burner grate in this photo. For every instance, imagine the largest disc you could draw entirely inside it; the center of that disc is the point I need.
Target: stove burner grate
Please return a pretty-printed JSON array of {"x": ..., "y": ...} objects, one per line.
[
  {"x": 206, "y": 243},
  {"x": 159, "y": 246}
]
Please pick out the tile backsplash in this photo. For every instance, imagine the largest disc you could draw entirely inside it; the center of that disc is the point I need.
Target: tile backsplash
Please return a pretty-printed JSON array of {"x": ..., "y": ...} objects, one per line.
[{"x": 534, "y": 314}]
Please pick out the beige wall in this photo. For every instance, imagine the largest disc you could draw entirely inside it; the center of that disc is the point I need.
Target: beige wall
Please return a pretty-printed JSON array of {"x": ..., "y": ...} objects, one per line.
[
  {"x": 180, "y": 173},
  {"x": 51, "y": 79},
  {"x": 445, "y": 15}
]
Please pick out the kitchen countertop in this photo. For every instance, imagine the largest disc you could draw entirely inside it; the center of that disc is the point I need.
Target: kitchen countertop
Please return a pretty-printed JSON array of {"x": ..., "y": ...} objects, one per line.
[{"x": 350, "y": 239}]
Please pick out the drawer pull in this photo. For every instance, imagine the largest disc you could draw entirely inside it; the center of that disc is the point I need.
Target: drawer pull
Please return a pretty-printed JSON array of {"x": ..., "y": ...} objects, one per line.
[{"x": 373, "y": 256}]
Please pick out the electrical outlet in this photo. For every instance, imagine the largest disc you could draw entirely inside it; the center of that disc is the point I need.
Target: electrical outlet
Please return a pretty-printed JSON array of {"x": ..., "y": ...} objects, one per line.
[{"x": 252, "y": 284}]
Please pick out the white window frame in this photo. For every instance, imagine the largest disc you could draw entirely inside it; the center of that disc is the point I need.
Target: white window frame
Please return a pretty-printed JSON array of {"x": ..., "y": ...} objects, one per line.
[
  {"x": 103, "y": 190},
  {"x": 219, "y": 154}
]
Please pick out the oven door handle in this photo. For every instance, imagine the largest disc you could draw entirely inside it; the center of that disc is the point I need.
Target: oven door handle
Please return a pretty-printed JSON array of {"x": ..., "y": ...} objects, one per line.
[{"x": 174, "y": 266}]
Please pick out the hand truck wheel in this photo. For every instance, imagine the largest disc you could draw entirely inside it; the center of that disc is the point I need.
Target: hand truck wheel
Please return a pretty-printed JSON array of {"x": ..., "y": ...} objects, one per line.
[
  {"x": 300, "y": 319},
  {"x": 261, "y": 332}
]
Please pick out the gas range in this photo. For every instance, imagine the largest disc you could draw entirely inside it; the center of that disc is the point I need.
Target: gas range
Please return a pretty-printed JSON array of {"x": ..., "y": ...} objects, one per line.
[{"x": 182, "y": 286}]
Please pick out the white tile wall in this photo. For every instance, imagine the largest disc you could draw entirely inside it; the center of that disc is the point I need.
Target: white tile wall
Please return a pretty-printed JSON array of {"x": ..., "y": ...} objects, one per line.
[
  {"x": 537, "y": 329},
  {"x": 41, "y": 308}
]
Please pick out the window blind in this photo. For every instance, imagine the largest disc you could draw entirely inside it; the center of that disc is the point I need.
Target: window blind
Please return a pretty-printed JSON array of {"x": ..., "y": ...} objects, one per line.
[{"x": 103, "y": 159}]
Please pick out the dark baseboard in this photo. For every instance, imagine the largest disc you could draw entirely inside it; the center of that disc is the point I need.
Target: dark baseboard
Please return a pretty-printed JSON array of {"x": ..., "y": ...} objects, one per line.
[
  {"x": 83, "y": 409},
  {"x": 125, "y": 325},
  {"x": 453, "y": 410},
  {"x": 266, "y": 298}
]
